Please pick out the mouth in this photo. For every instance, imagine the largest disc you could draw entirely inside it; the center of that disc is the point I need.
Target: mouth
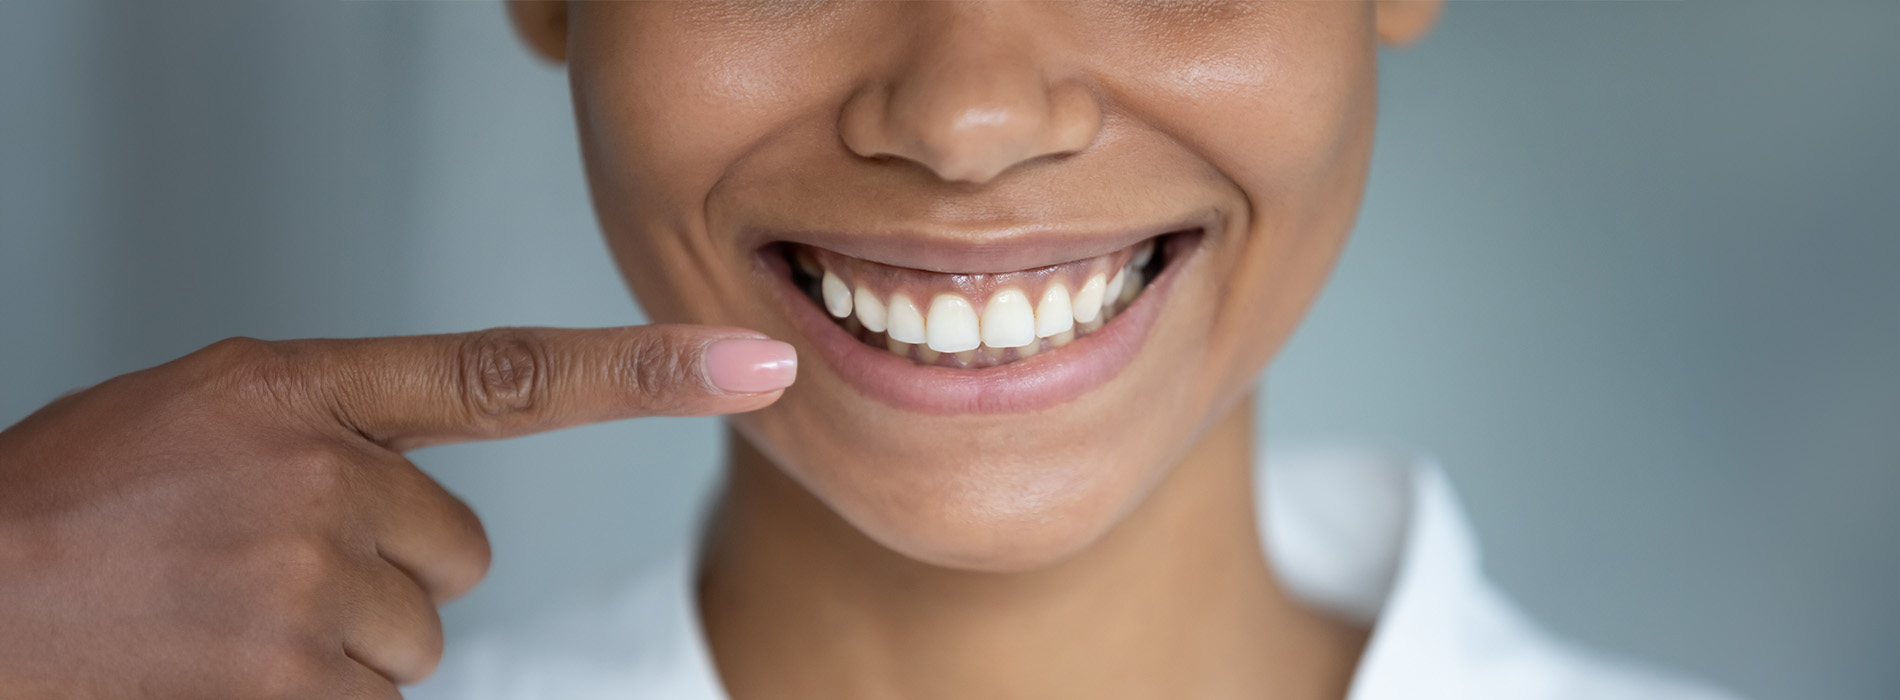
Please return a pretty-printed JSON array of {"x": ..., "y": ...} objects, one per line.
[{"x": 979, "y": 342}]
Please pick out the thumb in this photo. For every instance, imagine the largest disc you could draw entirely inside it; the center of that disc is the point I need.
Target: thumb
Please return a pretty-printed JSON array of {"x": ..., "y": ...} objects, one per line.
[{"x": 415, "y": 391}]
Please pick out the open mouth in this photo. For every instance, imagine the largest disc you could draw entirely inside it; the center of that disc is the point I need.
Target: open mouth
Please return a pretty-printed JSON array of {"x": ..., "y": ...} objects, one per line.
[{"x": 978, "y": 320}]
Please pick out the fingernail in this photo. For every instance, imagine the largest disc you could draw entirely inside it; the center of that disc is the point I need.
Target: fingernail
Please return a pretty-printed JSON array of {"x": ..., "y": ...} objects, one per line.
[{"x": 751, "y": 365}]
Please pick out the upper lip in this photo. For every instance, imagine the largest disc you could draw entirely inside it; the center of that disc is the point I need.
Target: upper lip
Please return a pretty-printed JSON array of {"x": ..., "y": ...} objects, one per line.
[{"x": 952, "y": 250}]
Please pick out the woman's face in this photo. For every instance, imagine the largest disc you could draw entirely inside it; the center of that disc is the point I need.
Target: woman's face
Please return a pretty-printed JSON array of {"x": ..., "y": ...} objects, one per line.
[{"x": 899, "y": 190}]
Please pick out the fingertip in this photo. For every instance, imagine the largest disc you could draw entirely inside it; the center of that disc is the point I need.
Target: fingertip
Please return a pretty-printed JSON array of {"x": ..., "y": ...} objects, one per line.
[
  {"x": 751, "y": 366},
  {"x": 751, "y": 402}
]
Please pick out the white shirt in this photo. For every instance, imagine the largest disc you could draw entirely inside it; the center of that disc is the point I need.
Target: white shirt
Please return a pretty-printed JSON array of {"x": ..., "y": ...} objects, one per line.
[{"x": 1375, "y": 537}]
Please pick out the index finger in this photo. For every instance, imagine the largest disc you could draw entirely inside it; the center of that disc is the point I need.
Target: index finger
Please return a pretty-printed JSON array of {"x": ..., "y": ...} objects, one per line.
[{"x": 414, "y": 391}]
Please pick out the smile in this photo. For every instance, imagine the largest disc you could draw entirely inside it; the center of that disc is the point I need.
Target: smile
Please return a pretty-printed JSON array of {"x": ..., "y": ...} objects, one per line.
[
  {"x": 980, "y": 342},
  {"x": 973, "y": 321}
]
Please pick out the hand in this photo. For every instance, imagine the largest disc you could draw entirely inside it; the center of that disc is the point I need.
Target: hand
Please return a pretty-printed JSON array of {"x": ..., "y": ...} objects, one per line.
[{"x": 239, "y": 523}]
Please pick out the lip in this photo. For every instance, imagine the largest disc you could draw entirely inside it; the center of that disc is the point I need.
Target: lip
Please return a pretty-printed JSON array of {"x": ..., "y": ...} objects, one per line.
[
  {"x": 951, "y": 250},
  {"x": 1036, "y": 383}
]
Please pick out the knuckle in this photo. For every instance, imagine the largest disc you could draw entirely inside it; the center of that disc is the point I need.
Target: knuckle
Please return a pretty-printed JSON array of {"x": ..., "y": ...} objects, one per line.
[
  {"x": 295, "y": 575},
  {"x": 464, "y": 555},
  {"x": 471, "y": 563},
  {"x": 247, "y": 367},
  {"x": 655, "y": 368},
  {"x": 315, "y": 471},
  {"x": 428, "y": 644},
  {"x": 411, "y": 647},
  {"x": 504, "y": 373}
]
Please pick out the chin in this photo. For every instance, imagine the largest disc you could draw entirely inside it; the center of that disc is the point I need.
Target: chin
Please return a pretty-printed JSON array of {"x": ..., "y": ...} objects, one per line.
[{"x": 982, "y": 510}]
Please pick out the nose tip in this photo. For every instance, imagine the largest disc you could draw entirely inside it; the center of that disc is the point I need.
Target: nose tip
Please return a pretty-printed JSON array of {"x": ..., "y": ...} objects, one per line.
[{"x": 970, "y": 123}]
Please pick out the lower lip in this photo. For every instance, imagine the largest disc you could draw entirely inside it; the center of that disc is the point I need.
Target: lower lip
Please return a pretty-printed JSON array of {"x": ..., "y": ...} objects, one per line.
[{"x": 1050, "y": 378}]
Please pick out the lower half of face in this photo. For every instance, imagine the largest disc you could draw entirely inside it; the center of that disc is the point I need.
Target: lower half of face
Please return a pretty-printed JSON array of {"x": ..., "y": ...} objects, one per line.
[{"x": 996, "y": 368}]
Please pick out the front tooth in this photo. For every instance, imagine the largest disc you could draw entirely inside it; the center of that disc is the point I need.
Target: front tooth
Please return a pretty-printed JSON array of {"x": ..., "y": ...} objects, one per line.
[
  {"x": 1054, "y": 314},
  {"x": 1115, "y": 285},
  {"x": 1145, "y": 253},
  {"x": 897, "y": 346},
  {"x": 1007, "y": 320},
  {"x": 837, "y": 295},
  {"x": 952, "y": 325},
  {"x": 905, "y": 323},
  {"x": 1088, "y": 299},
  {"x": 870, "y": 310}
]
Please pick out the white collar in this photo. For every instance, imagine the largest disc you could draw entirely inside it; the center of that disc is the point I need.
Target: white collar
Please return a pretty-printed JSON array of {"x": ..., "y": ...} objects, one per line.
[{"x": 1377, "y": 537}]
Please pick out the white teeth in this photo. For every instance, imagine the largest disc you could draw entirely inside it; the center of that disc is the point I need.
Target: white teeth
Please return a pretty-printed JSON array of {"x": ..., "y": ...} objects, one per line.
[
  {"x": 951, "y": 326},
  {"x": 837, "y": 295},
  {"x": 1007, "y": 320},
  {"x": 870, "y": 310},
  {"x": 1088, "y": 299},
  {"x": 906, "y": 324},
  {"x": 1132, "y": 288},
  {"x": 1054, "y": 314}
]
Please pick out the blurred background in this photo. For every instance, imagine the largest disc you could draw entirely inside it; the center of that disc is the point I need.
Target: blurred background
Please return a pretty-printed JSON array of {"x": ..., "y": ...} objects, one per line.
[{"x": 1631, "y": 270}]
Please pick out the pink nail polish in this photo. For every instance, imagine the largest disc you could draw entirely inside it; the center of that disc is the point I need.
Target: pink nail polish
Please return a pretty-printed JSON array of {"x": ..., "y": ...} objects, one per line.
[{"x": 751, "y": 365}]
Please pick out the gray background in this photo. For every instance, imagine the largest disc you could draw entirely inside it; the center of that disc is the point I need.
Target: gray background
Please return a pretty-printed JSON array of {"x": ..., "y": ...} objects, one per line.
[{"x": 1632, "y": 270}]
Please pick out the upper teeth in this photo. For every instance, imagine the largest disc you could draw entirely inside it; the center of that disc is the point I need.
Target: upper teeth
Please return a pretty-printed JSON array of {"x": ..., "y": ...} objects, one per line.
[
  {"x": 870, "y": 310},
  {"x": 906, "y": 323},
  {"x": 952, "y": 324},
  {"x": 1088, "y": 300},
  {"x": 1054, "y": 314},
  {"x": 837, "y": 295},
  {"x": 1008, "y": 321}
]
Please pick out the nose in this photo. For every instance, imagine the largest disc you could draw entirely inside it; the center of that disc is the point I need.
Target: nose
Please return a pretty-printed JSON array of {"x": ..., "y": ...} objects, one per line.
[{"x": 973, "y": 96}]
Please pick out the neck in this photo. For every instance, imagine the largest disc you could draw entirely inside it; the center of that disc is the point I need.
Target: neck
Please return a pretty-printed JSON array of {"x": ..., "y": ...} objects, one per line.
[{"x": 1175, "y": 601}]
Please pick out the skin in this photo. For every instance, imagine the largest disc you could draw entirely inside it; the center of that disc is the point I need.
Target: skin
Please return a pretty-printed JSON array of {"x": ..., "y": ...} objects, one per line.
[
  {"x": 976, "y": 555},
  {"x": 240, "y": 522}
]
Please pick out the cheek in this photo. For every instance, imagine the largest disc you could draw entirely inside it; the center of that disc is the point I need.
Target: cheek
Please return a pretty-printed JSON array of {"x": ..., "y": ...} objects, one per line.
[
  {"x": 1295, "y": 136},
  {"x": 668, "y": 105},
  {"x": 666, "y": 111},
  {"x": 660, "y": 120}
]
